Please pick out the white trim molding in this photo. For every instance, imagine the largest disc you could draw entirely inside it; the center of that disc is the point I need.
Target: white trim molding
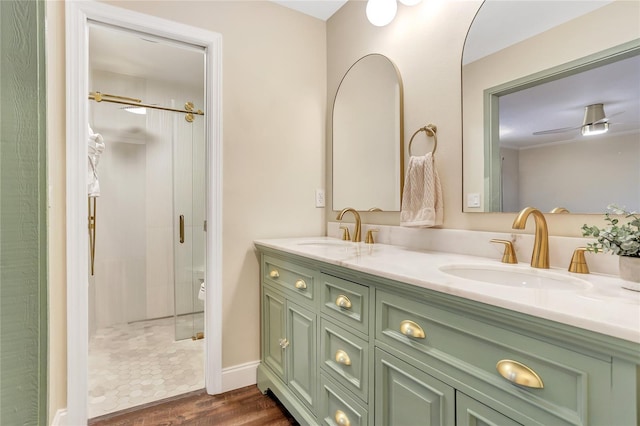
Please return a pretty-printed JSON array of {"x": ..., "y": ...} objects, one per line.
[
  {"x": 60, "y": 419},
  {"x": 239, "y": 376},
  {"x": 79, "y": 13}
]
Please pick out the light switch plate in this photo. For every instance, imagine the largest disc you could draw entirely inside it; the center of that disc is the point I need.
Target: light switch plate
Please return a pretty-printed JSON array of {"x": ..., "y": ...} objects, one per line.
[
  {"x": 473, "y": 200},
  {"x": 320, "y": 198}
]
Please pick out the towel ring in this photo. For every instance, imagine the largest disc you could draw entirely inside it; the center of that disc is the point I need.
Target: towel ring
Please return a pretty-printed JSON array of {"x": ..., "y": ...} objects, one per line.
[{"x": 430, "y": 130}]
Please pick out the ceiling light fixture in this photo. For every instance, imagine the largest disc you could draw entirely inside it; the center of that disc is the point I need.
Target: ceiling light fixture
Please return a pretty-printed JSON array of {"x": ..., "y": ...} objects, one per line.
[
  {"x": 595, "y": 121},
  {"x": 382, "y": 12}
]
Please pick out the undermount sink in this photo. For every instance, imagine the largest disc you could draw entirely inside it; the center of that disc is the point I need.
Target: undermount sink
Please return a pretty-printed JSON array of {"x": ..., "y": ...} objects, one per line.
[{"x": 515, "y": 277}]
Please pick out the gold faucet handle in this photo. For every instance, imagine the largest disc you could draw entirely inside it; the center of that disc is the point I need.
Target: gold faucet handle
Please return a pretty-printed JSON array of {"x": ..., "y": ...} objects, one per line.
[
  {"x": 369, "y": 238},
  {"x": 345, "y": 233},
  {"x": 579, "y": 262},
  {"x": 509, "y": 255}
]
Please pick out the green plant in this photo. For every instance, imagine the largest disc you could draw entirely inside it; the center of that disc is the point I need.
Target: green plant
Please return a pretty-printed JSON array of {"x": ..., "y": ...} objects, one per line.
[{"x": 621, "y": 239}]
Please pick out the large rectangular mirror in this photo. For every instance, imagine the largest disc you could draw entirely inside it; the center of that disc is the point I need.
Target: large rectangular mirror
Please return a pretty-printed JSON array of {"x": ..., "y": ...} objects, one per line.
[{"x": 538, "y": 79}]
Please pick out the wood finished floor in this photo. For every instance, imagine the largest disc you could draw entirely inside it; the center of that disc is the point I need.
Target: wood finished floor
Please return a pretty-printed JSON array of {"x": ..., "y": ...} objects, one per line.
[{"x": 240, "y": 407}]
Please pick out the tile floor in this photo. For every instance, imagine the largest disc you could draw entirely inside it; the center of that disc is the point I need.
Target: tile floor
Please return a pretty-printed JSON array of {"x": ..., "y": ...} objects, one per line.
[{"x": 134, "y": 364}]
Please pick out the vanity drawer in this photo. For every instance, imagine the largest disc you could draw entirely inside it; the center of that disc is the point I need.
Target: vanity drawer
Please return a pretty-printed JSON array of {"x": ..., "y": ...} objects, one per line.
[
  {"x": 339, "y": 409},
  {"x": 346, "y": 302},
  {"x": 289, "y": 276},
  {"x": 470, "y": 351},
  {"x": 345, "y": 357}
]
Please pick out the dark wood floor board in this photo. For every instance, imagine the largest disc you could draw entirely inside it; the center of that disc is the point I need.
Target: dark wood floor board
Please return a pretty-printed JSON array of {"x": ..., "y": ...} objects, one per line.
[{"x": 241, "y": 407}]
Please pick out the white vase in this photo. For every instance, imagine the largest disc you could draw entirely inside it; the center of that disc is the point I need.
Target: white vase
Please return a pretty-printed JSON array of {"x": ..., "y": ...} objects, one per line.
[{"x": 630, "y": 272}]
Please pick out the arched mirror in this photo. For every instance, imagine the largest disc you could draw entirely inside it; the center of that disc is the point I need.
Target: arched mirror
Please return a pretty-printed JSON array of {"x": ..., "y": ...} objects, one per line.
[
  {"x": 537, "y": 77},
  {"x": 368, "y": 136}
]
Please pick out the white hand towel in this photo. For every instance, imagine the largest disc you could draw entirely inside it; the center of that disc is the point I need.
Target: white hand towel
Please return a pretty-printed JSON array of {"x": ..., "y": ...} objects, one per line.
[
  {"x": 422, "y": 195},
  {"x": 95, "y": 149}
]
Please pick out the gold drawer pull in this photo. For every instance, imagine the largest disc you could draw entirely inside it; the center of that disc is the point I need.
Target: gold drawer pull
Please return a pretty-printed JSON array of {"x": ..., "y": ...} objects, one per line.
[
  {"x": 283, "y": 343},
  {"x": 342, "y": 357},
  {"x": 301, "y": 285},
  {"x": 519, "y": 374},
  {"x": 342, "y": 419},
  {"x": 411, "y": 329},
  {"x": 343, "y": 302},
  {"x": 274, "y": 274}
]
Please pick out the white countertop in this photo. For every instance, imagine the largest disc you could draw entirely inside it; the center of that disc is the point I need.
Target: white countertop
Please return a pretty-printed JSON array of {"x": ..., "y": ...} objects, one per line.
[{"x": 603, "y": 306}]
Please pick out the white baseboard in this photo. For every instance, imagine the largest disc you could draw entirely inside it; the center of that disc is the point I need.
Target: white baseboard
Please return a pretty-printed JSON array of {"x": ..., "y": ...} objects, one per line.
[
  {"x": 60, "y": 418},
  {"x": 239, "y": 376},
  {"x": 235, "y": 377}
]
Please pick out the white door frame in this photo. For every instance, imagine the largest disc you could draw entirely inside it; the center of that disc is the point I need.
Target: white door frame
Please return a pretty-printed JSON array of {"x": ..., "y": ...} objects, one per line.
[{"x": 78, "y": 15}]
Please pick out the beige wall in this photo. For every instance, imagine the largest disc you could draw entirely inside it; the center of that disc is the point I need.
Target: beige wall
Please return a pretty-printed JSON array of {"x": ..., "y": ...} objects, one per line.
[
  {"x": 425, "y": 42},
  {"x": 274, "y": 107}
]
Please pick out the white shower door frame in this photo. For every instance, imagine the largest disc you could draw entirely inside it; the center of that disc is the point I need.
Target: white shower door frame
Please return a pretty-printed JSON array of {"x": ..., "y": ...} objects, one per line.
[{"x": 78, "y": 16}]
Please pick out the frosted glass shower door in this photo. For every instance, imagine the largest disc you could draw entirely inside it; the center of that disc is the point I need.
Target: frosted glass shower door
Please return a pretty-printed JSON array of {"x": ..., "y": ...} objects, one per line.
[{"x": 189, "y": 222}]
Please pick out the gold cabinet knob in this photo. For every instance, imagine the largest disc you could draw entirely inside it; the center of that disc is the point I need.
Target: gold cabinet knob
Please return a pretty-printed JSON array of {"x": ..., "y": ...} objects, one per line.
[
  {"x": 343, "y": 302},
  {"x": 301, "y": 285},
  {"x": 411, "y": 329},
  {"x": 342, "y": 419},
  {"x": 274, "y": 274},
  {"x": 342, "y": 357},
  {"x": 283, "y": 343},
  {"x": 519, "y": 374}
]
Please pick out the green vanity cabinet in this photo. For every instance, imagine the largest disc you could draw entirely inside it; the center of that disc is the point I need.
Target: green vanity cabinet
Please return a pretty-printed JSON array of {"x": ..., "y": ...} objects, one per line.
[
  {"x": 352, "y": 348},
  {"x": 274, "y": 335},
  {"x": 407, "y": 396},
  {"x": 345, "y": 302},
  {"x": 301, "y": 353},
  {"x": 564, "y": 387},
  {"x": 345, "y": 357},
  {"x": 338, "y": 408},
  {"x": 289, "y": 345},
  {"x": 470, "y": 412},
  {"x": 290, "y": 336}
]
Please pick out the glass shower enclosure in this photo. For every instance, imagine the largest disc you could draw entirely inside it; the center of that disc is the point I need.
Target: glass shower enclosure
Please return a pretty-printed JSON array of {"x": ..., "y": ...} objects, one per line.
[
  {"x": 190, "y": 214},
  {"x": 149, "y": 252}
]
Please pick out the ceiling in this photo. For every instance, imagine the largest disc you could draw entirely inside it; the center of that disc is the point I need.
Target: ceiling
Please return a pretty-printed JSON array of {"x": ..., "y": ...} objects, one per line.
[{"x": 321, "y": 9}]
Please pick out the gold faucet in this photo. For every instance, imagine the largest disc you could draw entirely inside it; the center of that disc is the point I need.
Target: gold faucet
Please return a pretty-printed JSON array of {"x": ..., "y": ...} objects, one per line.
[
  {"x": 540, "y": 255},
  {"x": 356, "y": 234}
]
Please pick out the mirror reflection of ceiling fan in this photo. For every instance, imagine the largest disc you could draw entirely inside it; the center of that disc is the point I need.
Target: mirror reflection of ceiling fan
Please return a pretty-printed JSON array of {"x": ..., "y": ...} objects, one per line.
[{"x": 595, "y": 122}]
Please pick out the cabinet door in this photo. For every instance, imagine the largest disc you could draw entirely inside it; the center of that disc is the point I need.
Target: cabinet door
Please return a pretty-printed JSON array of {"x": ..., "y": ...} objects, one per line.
[
  {"x": 273, "y": 333},
  {"x": 470, "y": 412},
  {"x": 302, "y": 366},
  {"x": 406, "y": 396}
]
